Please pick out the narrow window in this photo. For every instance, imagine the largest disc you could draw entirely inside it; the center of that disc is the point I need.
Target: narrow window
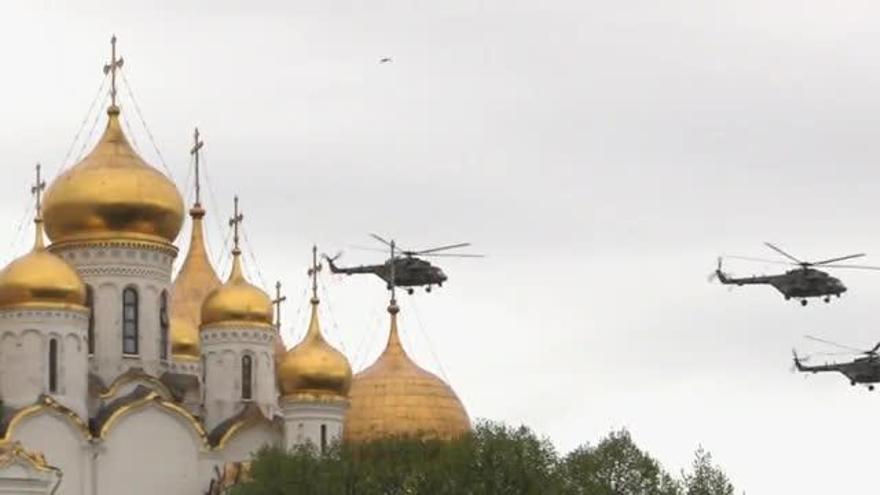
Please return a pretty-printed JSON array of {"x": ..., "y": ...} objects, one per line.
[
  {"x": 246, "y": 381},
  {"x": 90, "y": 304},
  {"x": 323, "y": 438},
  {"x": 53, "y": 366},
  {"x": 129, "y": 321},
  {"x": 163, "y": 325}
]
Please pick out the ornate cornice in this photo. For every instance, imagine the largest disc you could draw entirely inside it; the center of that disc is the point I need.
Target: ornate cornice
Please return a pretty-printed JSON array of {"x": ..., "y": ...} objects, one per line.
[
  {"x": 236, "y": 335},
  {"x": 55, "y": 312},
  {"x": 164, "y": 248},
  {"x": 87, "y": 271}
]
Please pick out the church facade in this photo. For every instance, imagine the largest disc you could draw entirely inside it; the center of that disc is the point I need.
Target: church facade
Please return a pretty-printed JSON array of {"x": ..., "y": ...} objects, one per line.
[{"x": 118, "y": 377}]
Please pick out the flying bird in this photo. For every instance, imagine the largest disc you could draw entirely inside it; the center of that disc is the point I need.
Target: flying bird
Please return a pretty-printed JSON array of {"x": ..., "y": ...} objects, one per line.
[{"x": 384, "y": 60}]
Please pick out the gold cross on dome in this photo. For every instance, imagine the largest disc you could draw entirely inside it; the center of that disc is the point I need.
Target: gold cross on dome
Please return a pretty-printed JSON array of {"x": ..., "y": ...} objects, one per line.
[
  {"x": 277, "y": 303},
  {"x": 112, "y": 67},
  {"x": 235, "y": 222},
  {"x": 37, "y": 191},
  {"x": 313, "y": 272},
  {"x": 197, "y": 146}
]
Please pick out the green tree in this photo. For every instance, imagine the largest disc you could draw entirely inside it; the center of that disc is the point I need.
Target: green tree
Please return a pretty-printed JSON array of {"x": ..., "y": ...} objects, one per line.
[
  {"x": 494, "y": 459},
  {"x": 705, "y": 478},
  {"x": 616, "y": 466}
]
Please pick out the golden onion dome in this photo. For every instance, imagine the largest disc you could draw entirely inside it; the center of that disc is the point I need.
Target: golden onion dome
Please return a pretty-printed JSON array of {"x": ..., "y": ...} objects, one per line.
[
  {"x": 113, "y": 194},
  {"x": 237, "y": 301},
  {"x": 194, "y": 282},
  {"x": 314, "y": 367},
  {"x": 41, "y": 279},
  {"x": 395, "y": 397},
  {"x": 280, "y": 348}
]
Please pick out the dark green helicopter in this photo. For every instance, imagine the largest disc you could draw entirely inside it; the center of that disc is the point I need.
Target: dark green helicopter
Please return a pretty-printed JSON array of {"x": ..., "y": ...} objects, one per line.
[
  {"x": 410, "y": 270},
  {"x": 800, "y": 283},
  {"x": 863, "y": 370}
]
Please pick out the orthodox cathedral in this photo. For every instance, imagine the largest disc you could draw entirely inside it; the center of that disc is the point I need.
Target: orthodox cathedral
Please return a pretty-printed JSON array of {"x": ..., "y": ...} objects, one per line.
[{"x": 118, "y": 378}]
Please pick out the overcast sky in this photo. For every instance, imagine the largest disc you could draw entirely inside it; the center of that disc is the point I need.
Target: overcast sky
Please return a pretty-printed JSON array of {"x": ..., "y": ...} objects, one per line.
[{"x": 603, "y": 154}]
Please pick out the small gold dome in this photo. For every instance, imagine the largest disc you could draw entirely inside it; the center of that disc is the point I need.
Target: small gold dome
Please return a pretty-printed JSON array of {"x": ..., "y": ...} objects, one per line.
[
  {"x": 237, "y": 301},
  {"x": 314, "y": 367},
  {"x": 194, "y": 282},
  {"x": 395, "y": 397},
  {"x": 41, "y": 279},
  {"x": 113, "y": 194}
]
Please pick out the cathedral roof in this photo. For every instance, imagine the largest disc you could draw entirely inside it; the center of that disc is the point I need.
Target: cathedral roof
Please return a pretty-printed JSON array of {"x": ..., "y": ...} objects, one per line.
[
  {"x": 10, "y": 417},
  {"x": 237, "y": 301},
  {"x": 250, "y": 414},
  {"x": 395, "y": 397},
  {"x": 41, "y": 278},
  {"x": 314, "y": 367},
  {"x": 113, "y": 194},
  {"x": 194, "y": 282}
]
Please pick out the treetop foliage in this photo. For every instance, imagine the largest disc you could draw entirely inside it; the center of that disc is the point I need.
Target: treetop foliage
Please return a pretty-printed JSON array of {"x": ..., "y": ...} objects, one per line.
[{"x": 495, "y": 459}]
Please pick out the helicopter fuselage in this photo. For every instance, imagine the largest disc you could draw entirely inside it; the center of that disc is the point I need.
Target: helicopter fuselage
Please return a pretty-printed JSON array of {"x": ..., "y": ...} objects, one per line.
[
  {"x": 864, "y": 370},
  {"x": 409, "y": 271},
  {"x": 800, "y": 283}
]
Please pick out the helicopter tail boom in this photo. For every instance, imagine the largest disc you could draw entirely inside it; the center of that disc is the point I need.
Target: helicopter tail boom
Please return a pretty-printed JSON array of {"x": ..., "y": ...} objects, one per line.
[
  {"x": 800, "y": 366},
  {"x": 347, "y": 270},
  {"x": 728, "y": 280}
]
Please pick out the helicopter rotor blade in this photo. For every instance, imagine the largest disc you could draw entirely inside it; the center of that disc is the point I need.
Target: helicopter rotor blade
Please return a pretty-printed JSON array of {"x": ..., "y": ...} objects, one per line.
[
  {"x": 834, "y": 260},
  {"x": 450, "y": 255},
  {"x": 760, "y": 260},
  {"x": 857, "y": 267},
  {"x": 835, "y": 344},
  {"x": 365, "y": 248},
  {"x": 442, "y": 248},
  {"x": 780, "y": 251},
  {"x": 378, "y": 238}
]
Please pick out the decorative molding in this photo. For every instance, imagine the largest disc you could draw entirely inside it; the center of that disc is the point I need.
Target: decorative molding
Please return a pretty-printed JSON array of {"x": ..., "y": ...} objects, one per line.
[
  {"x": 46, "y": 403},
  {"x": 133, "y": 375},
  {"x": 103, "y": 245},
  {"x": 162, "y": 275},
  {"x": 154, "y": 399},
  {"x": 232, "y": 335},
  {"x": 50, "y": 313}
]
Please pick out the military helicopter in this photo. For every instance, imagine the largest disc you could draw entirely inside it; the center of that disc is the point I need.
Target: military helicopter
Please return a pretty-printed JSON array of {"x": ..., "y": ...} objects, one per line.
[
  {"x": 410, "y": 270},
  {"x": 800, "y": 283},
  {"x": 862, "y": 370}
]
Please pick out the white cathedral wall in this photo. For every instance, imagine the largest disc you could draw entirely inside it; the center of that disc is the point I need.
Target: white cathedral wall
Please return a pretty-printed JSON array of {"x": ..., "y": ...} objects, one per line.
[
  {"x": 63, "y": 445},
  {"x": 243, "y": 444},
  {"x": 24, "y": 356},
  {"x": 109, "y": 268},
  {"x": 304, "y": 419},
  {"x": 222, "y": 350},
  {"x": 150, "y": 451}
]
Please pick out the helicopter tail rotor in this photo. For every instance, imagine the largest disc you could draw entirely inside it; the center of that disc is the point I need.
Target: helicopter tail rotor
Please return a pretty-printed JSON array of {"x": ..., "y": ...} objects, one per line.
[
  {"x": 797, "y": 361},
  {"x": 331, "y": 260},
  {"x": 718, "y": 274}
]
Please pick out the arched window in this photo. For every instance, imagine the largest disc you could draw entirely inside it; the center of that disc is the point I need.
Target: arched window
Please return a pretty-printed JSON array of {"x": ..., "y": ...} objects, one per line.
[
  {"x": 53, "y": 366},
  {"x": 163, "y": 325},
  {"x": 247, "y": 385},
  {"x": 129, "y": 321},
  {"x": 90, "y": 304}
]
